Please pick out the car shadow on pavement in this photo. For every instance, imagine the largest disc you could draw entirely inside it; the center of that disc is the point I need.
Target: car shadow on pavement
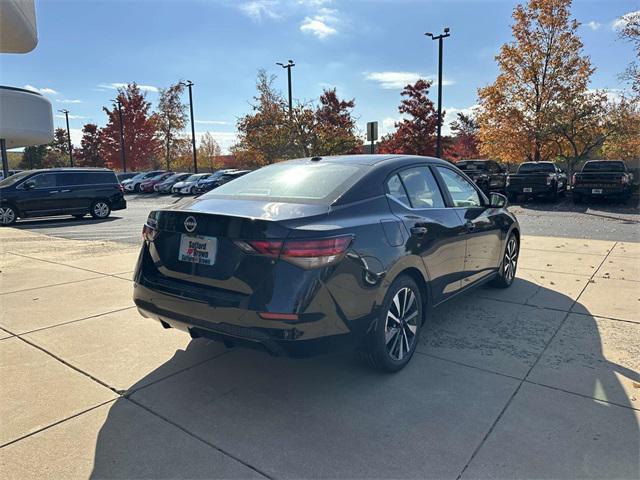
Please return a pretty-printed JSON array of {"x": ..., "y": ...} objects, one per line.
[
  {"x": 496, "y": 389},
  {"x": 566, "y": 205}
]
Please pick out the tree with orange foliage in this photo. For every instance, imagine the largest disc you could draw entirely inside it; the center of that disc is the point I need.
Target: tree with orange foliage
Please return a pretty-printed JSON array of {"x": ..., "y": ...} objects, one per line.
[
  {"x": 414, "y": 135},
  {"x": 142, "y": 146},
  {"x": 465, "y": 141},
  {"x": 541, "y": 70}
]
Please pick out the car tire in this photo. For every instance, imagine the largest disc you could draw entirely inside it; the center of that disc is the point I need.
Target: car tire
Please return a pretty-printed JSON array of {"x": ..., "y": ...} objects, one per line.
[
  {"x": 136, "y": 188},
  {"x": 8, "y": 215},
  {"x": 100, "y": 209},
  {"x": 509, "y": 263},
  {"x": 393, "y": 341}
]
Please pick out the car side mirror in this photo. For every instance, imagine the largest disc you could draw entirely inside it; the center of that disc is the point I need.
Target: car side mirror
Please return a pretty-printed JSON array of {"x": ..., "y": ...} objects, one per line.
[
  {"x": 29, "y": 184},
  {"x": 497, "y": 200}
]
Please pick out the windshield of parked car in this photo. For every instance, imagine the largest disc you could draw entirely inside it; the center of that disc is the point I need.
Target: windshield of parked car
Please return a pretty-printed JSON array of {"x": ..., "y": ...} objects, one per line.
[
  {"x": 472, "y": 166},
  {"x": 536, "y": 167},
  {"x": 13, "y": 179},
  {"x": 321, "y": 181},
  {"x": 605, "y": 166}
]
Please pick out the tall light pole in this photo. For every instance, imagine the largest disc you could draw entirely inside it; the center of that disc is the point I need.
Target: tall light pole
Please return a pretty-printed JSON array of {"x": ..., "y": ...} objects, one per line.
[
  {"x": 123, "y": 158},
  {"x": 66, "y": 115},
  {"x": 288, "y": 66},
  {"x": 190, "y": 84},
  {"x": 439, "y": 38}
]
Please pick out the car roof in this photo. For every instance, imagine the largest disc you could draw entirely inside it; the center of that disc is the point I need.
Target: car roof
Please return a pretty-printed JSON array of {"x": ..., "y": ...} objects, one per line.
[{"x": 70, "y": 169}]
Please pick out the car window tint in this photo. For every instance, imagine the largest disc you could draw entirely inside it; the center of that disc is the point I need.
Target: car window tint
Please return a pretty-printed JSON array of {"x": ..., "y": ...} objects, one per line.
[
  {"x": 397, "y": 191},
  {"x": 462, "y": 192},
  {"x": 45, "y": 180},
  {"x": 422, "y": 188}
]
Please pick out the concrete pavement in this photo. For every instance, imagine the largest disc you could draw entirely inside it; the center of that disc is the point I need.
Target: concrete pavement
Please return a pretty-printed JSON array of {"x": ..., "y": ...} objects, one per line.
[{"x": 539, "y": 380}]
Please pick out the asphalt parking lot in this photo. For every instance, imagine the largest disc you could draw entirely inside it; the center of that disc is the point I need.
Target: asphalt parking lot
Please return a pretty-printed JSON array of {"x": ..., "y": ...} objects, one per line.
[
  {"x": 597, "y": 221},
  {"x": 537, "y": 381}
]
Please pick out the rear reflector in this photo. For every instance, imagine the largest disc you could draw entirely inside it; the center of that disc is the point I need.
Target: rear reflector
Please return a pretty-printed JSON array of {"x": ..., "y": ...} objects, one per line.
[{"x": 278, "y": 316}]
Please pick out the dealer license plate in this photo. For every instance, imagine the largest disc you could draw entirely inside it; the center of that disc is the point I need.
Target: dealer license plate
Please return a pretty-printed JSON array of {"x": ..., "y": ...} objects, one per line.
[
  {"x": 197, "y": 249},
  {"x": 596, "y": 190},
  {"x": 527, "y": 190}
]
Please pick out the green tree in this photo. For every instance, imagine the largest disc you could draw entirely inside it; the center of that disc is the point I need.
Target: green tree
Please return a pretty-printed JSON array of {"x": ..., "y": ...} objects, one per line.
[
  {"x": 33, "y": 157},
  {"x": 335, "y": 126},
  {"x": 172, "y": 117},
  {"x": 57, "y": 154},
  {"x": 90, "y": 147},
  {"x": 209, "y": 151}
]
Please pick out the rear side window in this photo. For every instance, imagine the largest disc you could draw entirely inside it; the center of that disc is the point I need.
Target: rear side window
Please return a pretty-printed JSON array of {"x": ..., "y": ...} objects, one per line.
[
  {"x": 417, "y": 188},
  {"x": 45, "y": 180},
  {"x": 86, "y": 178},
  {"x": 303, "y": 182}
]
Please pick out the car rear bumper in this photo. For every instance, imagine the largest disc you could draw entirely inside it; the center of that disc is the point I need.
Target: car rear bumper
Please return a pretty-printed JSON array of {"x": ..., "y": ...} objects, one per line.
[
  {"x": 606, "y": 190},
  {"x": 305, "y": 337},
  {"x": 536, "y": 189}
]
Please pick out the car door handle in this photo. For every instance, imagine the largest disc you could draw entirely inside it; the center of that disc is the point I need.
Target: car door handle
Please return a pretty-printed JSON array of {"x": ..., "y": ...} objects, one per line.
[
  {"x": 65, "y": 191},
  {"x": 54, "y": 191}
]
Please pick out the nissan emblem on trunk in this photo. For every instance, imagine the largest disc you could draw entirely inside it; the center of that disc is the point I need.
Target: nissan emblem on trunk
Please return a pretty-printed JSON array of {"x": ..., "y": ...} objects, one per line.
[{"x": 190, "y": 224}]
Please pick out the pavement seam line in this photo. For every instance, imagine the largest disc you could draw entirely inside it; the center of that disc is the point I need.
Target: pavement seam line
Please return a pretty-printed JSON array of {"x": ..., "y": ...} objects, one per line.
[
  {"x": 537, "y": 360},
  {"x": 64, "y": 264},
  {"x": 71, "y": 321},
  {"x": 75, "y": 415},
  {"x": 197, "y": 437},
  {"x": 98, "y": 275}
]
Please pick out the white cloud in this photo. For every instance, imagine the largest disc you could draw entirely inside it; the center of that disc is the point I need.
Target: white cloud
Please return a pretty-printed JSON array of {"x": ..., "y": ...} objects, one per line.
[
  {"x": 260, "y": 9},
  {"x": 388, "y": 125},
  {"x": 66, "y": 100},
  {"x": 48, "y": 90},
  {"x": 322, "y": 25},
  {"x": 621, "y": 22},
  {"x": 398, "y": 80},
  {"x": 76, "y": 136},
  {"x": 71, "y": 117},
  {"x": 212, "y": 122},
  {"x": 593, "y": 25},
  {"x": 118, "y": 85}
]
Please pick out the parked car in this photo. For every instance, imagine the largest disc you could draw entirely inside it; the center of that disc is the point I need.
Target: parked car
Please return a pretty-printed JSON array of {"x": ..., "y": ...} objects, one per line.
[
  {"x": 227, "y": 177},
  {"x": 186, "y": 187},
  {"x": 209, "y": 183},
  {"x": 147, "y": 185},
  {"x": 166, "y": 185},
  {"x": 602, "y": 179},
  {"x": 60, "y": 191},
  {"x": 311, "y": 255},
  {"x": 489, "y": 175},
  {"x": 537, "y": 179},
  {"x": 124, "y": 176},
  {"x": 133, "y": 185}
]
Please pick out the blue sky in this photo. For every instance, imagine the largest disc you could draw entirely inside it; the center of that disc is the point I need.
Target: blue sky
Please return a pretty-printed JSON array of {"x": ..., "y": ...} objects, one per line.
[{"x": 367, "y": 49}]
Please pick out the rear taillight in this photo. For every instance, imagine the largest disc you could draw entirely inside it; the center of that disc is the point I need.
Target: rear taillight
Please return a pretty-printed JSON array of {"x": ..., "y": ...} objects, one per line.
[
  {"x": 307, "y": 253},
  {"x": 508, "y": 181},
  {"x": 550, "y": 178},
  {"x": 150, "y": 230}
]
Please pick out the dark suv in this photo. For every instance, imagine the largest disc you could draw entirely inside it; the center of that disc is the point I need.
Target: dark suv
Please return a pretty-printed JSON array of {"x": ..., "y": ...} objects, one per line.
[
  {"x": 60, "y": 191},
  {"x": 489, "y": 175}
]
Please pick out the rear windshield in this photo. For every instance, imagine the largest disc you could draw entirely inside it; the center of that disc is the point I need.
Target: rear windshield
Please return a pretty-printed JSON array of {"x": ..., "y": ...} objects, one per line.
[
  {"x": 608, "y": 166},
  {"x": 320, "y": 182},
  {"x": 472, "y": 166},
  {"x": 536, "y": 168}
]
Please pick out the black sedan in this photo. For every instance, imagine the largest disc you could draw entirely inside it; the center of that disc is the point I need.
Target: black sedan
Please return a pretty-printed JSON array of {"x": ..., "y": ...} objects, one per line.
[{"x": 310, "y": 255}]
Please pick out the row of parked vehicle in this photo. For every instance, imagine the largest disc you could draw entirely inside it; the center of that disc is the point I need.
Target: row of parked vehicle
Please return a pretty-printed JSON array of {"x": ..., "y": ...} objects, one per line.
[
  {"x": 180, "y": 183},
  {"x": 598, "y": 179}
]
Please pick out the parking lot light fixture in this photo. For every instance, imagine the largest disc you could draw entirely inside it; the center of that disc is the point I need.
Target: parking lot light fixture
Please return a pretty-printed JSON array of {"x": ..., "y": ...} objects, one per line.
[
  {"x": 190, "y": 84},
  {"x": 288, "y": 66},
  {"x": 66, "y": 115},
  {"x": 440, "y": 38},
  {"x": 123, "y": 158}
]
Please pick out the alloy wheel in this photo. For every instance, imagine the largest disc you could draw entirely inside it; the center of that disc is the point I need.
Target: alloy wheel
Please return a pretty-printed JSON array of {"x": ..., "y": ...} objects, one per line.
[
  {"x": 401, "y": 324},
  {"x": 7, "y": 215},
  {"x": 101, "y": 209},
  {"x": 510, "y": 261}
]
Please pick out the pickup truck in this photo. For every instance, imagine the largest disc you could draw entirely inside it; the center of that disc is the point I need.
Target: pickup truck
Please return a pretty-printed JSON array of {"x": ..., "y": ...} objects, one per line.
[
  {"x": 489, "y": 175},
  {"x": 602, "y": 178},
  {"x": 537, "y": 179}
]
